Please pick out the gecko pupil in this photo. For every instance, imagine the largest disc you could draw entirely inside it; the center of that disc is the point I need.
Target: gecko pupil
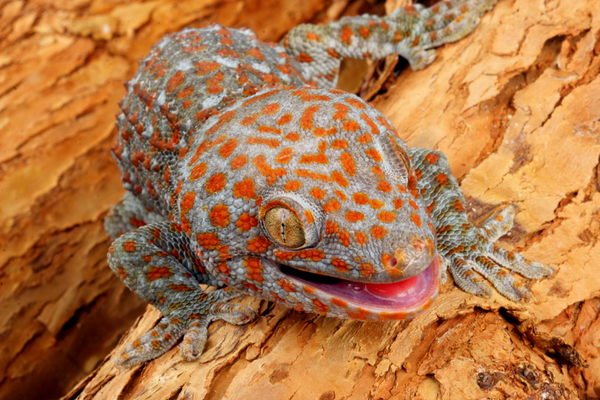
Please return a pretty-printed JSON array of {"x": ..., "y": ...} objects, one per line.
[{"x": 284, "y": 228}]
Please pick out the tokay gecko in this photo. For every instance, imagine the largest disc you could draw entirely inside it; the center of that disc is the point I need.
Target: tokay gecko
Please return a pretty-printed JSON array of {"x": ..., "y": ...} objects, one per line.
[{"x": 247, "y": 170}]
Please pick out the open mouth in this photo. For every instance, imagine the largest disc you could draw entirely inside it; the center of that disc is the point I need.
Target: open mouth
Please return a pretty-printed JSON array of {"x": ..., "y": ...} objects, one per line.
[{"x": 407, "y": 296}]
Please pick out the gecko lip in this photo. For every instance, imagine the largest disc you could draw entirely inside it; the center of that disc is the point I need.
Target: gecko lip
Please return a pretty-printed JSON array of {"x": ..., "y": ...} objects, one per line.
[{"x": 407, "y": 296}]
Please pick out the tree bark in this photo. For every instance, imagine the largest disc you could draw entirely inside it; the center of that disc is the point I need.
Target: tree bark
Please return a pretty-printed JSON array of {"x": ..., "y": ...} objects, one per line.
[{"x": 515, "y": 106}]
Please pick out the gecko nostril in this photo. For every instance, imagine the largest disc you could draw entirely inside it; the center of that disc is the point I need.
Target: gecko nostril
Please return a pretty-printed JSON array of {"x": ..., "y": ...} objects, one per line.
[{"x": 393, "y": 262}]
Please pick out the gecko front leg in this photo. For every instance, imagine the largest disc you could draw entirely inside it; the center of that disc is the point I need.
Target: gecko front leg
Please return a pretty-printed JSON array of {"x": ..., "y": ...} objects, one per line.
[{"x": 156, "y": 262}]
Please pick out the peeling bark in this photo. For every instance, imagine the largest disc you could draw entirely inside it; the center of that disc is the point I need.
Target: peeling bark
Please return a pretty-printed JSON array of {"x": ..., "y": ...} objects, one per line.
[{"x": 515, "y": 107}]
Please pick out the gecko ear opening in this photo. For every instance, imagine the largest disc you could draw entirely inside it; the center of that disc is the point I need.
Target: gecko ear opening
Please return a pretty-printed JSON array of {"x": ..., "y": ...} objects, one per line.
[
  {"x": 290, "y": 223},
  {"x": 396, "y": 162}
]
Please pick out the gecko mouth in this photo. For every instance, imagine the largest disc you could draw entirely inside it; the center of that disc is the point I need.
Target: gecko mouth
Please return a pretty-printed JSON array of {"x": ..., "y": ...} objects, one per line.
[{"x": 408, "y": 296}]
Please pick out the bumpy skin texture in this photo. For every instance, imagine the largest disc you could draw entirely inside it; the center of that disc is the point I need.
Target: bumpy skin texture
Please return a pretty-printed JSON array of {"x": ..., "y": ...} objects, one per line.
[{"x": 222, "y": 137}]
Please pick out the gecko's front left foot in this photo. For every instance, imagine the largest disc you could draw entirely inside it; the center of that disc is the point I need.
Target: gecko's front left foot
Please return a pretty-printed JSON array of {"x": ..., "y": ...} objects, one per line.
[
  {"x": 191, "y": 322},
  {"x": 474, "y": 250}
]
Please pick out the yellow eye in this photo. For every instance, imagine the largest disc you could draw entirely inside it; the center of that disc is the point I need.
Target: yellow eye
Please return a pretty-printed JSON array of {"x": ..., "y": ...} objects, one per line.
[{"x": 284, "y": 228}]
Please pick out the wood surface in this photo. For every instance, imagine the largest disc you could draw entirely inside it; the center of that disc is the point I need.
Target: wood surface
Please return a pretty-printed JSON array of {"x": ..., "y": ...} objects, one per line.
[{"x": 515, "y": 106}]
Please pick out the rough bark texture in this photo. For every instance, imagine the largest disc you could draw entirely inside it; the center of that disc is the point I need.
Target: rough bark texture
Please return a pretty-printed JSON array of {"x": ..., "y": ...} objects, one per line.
[{"x": 515, "y": 106}]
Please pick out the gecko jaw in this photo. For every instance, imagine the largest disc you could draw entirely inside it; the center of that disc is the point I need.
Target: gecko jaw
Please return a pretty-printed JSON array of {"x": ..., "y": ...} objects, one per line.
[{"x": 398, "y": 300}]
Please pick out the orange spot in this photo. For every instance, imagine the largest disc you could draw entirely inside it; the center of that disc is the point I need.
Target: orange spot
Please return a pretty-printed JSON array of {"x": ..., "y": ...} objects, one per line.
[
  {"x": 398, "y": 203},
  {"x": 367, "y": 270},
  {"x": 356, "y": 103},
  {"x": 249, "y": 120},
  {"x": 254, "y": 268},
  {"x": 129, "y": 246},
  {"x": 322, "y": 146},
  {"x": 306, "y": 121},
  {"x": 270, "y": 109},
  {"x": 322, "y": 132},
  {"x": 432, "y": 158},
  {"x": 304, "y": 58},
  {"x": 228, "y": 148},
  {"x": 244, "y": 188},
  {"x": 376, "y": 204},
  {"x": 203, "y": 68},
  {"x": 339, "y": 144},
  {"x": 441, "y": 179},
  {"x": 378, "y": 232},
  {"x": 314, "y": 97},
  {"x": 259, "y": 244},
  {"x": 216, "y": 183},
  {"x": 364, "y": 32},
  {"x": 185, "y": 92},
  {"x": 223, "y": 119},
  {"x": 415, "y": 218},
  {"x": 377, "y": 171},
  {"x": 345, "y": 238},
  {"x": 269, "y": 129},
  {"x": 354, "y": 216},
  {"x": 340, "y": 265},
  {"x": 333, "y": 53},
  {"x": 175, "y": 81},
  {"x": 285, "y": 119},
  {"x": 332, "y": 206},
  {"x": 340, "y": 194},
  {"x": 310, "y": 158},
  {"x": 360, "y": 237},
  {"x": 312, "y": 175},
  {"x": 386, "y": 216},
  {"x": 246, "y": 222},
  {"x": 339, "y": 178},
  {"x": 364, "y": 139},
  {"x": 351, "y": 126},
  {"x": 317, "y": 193},
  {"x": 383, "y": 121},
  {"x": 346, "y": 35},
  {"x": 360, "y": 314},
  {"x": 239, "y": 162},
  {"x": 292, "y": 137},
  {"x": 339, "y": 303},
  {"x": 272, "y": 143},
  {"x": 219, "y": 216},
  {"x": 341, "y": 111},
  {"x": 292, "y": 186},
  {"x": 309, "y": 216},
  {"x": 320, "y": 307},
  {"x": 384, "y": 186},
  {"x": 286, "y": 285},
  {"x": 374, "y": 154},
  {"x": 265, "y": 169},
  {"x": 285, "y": 156},
  {"x": 208, "y": 241},
  {"x": 312, "y": 36},
  {"x": 459, "y": 206},
  {"x": 187, "y": 202},
  {"x": 360, "y": 198},
  {"x": 348, "y": 163},
  {"x": 159, "y": 272},
  {"x": 372, "y": 125},
  {"x": 308, "y": 289}
]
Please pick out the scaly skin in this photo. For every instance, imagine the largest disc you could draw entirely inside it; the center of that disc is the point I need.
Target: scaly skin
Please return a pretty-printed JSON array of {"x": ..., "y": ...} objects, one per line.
[{"x": 241, "y": 174}]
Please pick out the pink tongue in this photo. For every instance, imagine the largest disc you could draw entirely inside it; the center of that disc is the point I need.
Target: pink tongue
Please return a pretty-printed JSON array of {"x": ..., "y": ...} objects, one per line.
[{"x": 392, "y": 289}]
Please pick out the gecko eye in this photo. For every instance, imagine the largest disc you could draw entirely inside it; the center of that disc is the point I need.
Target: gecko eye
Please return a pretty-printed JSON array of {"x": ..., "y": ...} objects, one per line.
[{"x": 284, "y": 228}]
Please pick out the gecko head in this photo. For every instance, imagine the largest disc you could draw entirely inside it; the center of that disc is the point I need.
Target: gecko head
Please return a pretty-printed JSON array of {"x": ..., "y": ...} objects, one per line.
[{"x": 320, "y": 208}]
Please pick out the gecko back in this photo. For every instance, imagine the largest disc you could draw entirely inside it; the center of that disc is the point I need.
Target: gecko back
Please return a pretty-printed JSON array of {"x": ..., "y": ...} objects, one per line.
[{"x": 188, "y": 77}]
